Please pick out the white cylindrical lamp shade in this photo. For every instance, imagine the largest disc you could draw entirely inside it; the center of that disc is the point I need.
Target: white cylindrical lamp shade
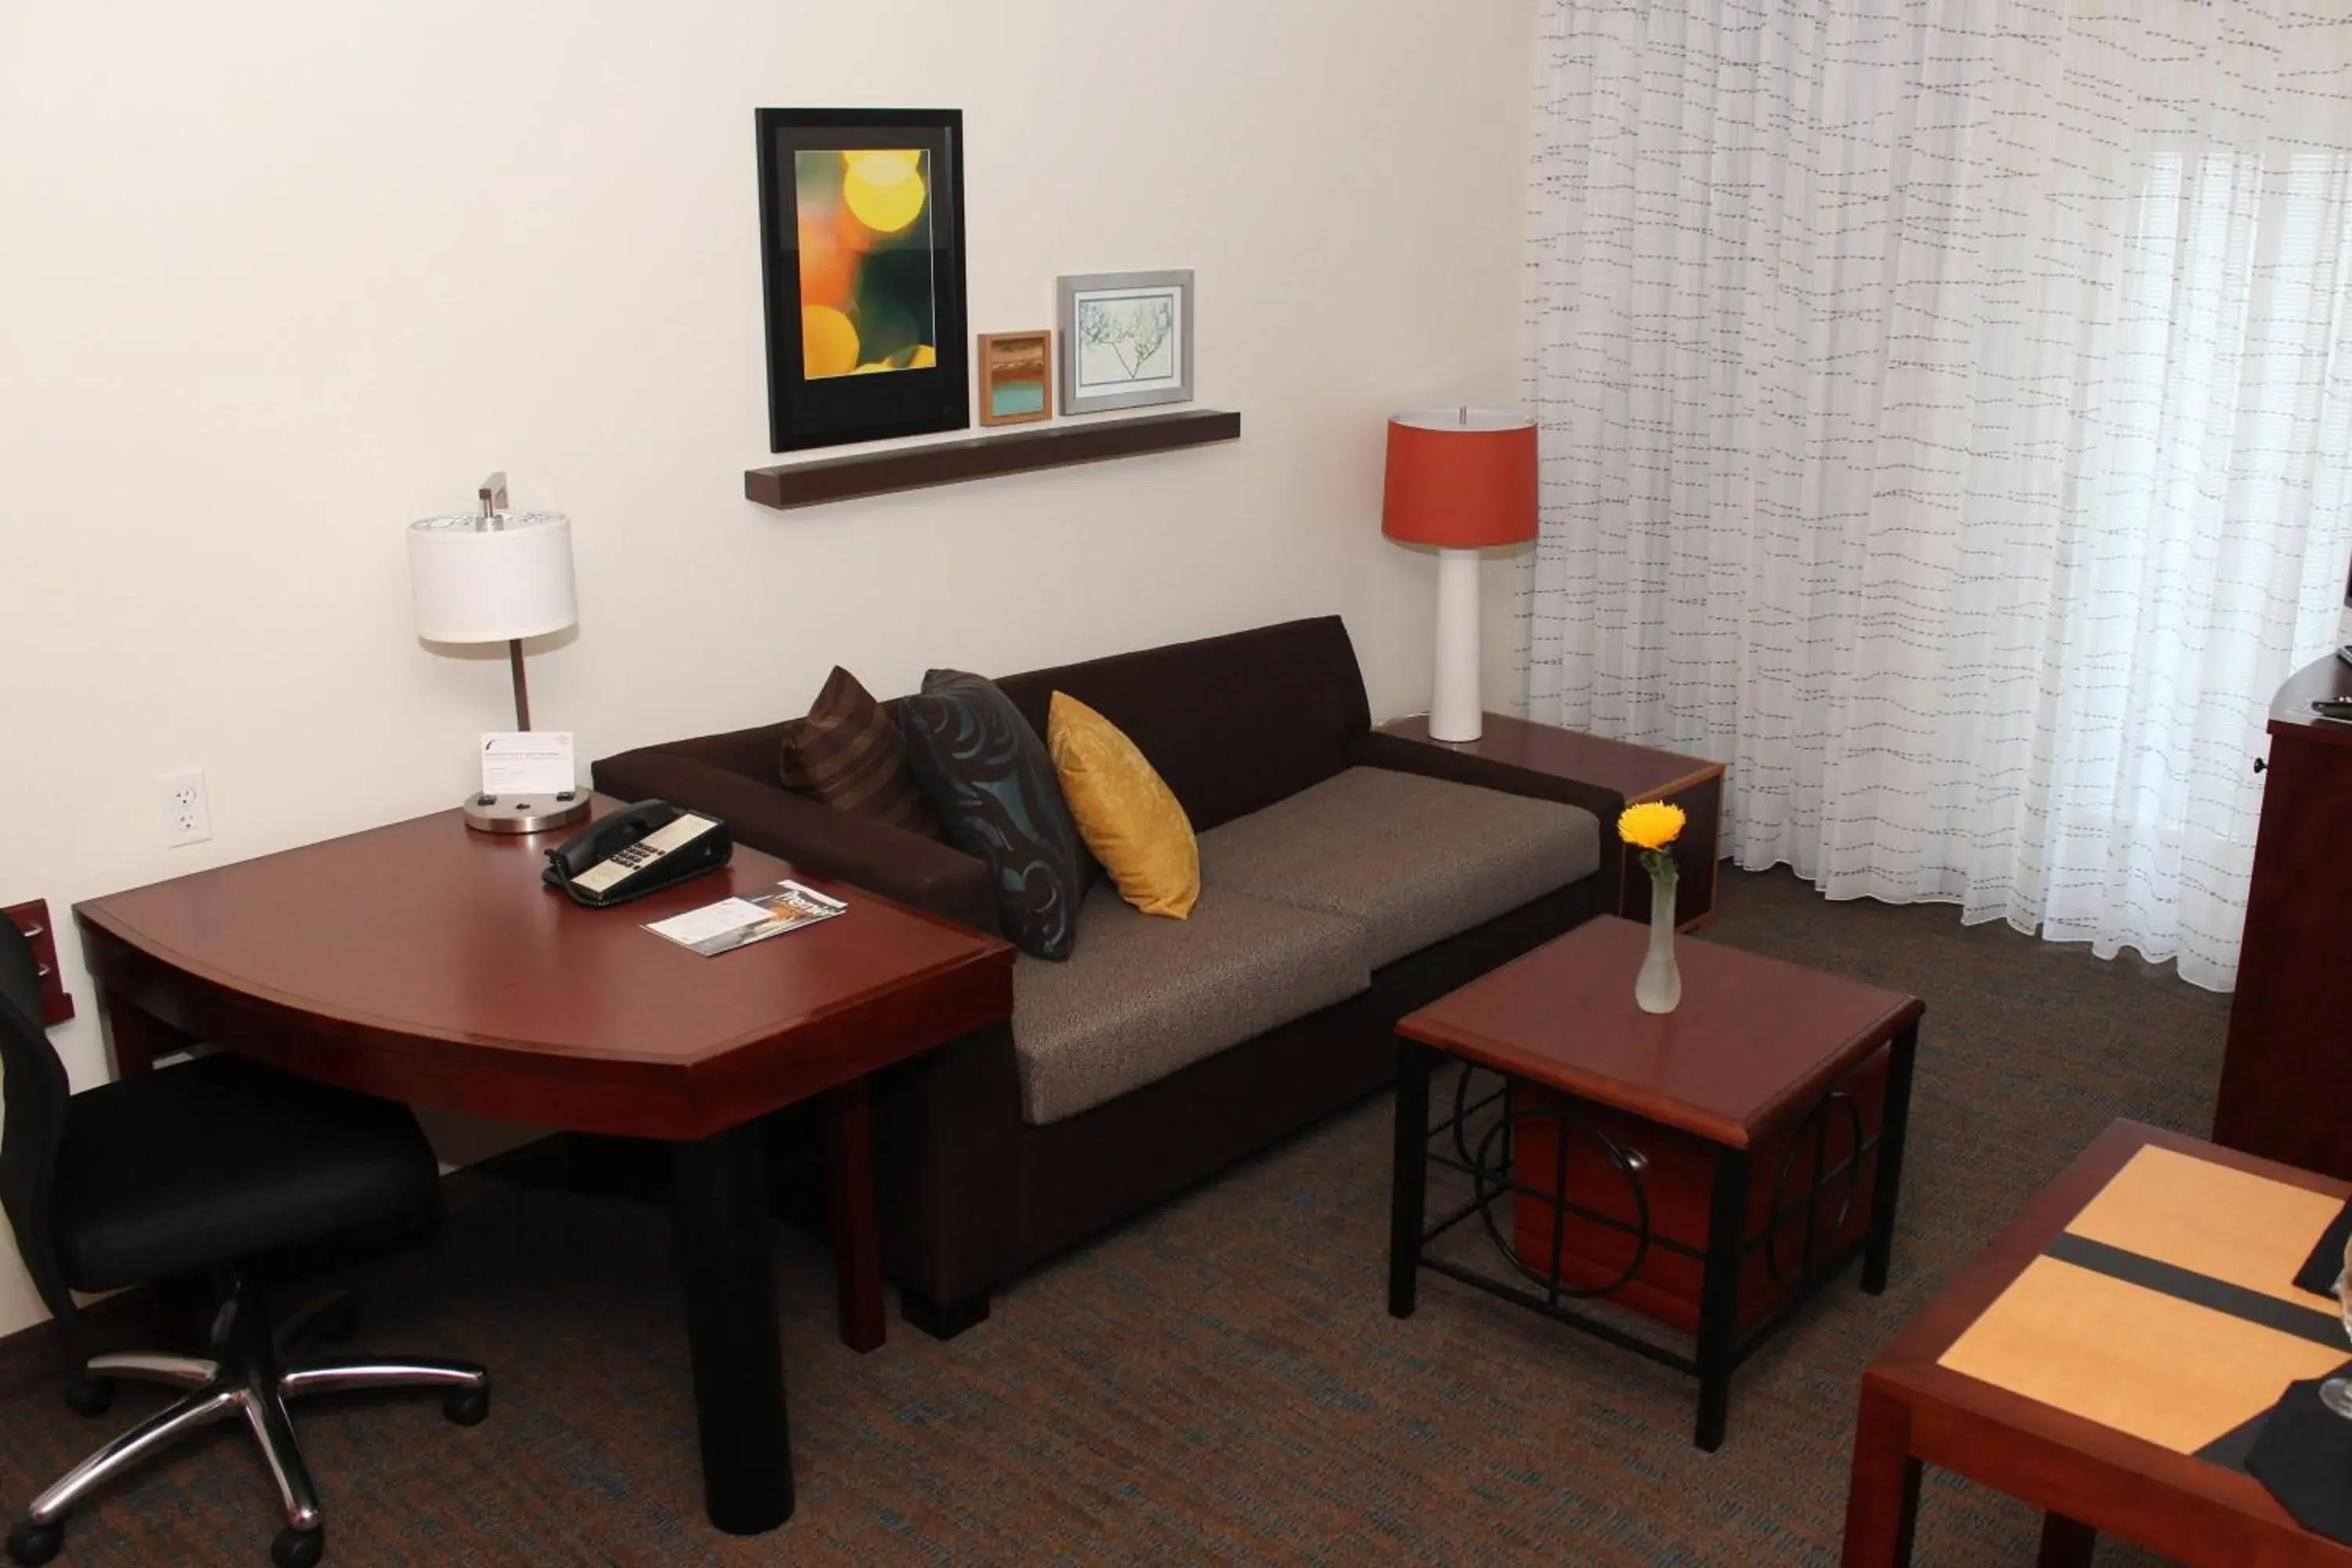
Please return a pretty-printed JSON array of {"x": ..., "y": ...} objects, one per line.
[{"x": 491, "y": 580}]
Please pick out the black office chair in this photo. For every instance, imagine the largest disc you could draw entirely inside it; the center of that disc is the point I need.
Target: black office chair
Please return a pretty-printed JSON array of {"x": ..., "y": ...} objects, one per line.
[{"x": 199, "y": 1168}]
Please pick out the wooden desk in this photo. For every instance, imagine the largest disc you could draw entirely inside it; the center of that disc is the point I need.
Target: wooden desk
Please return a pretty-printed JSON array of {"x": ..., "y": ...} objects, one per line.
[
  {"x": 427, "y": 964},
  {"x": 2118, "y": 1434}
]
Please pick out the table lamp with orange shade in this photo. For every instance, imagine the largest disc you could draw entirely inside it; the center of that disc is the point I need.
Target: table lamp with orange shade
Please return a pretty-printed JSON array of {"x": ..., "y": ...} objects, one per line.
[{"x": 1461, "y": 479}]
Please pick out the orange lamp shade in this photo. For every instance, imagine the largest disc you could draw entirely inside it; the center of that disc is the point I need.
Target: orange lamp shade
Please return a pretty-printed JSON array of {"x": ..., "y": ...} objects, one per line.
[{"x": 1461, "y": 478}]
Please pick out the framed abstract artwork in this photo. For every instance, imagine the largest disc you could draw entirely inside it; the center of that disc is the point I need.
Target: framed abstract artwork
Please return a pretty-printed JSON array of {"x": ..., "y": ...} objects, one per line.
[
  {"x": 862, "y": 258},
  {"x": 1016, "y": 378},
  {"x": 1126, "y": 339}
]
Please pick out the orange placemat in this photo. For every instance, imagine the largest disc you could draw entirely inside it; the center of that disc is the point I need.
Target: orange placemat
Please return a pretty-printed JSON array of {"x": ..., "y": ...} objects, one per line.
[
  {"x": 2167, "y": 1310},
  {"x": 2227, "y": 1223}
]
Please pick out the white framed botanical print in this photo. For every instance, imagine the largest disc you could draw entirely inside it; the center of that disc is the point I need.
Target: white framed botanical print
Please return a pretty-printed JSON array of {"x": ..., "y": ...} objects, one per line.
[{"x": 1126, "y": 339}]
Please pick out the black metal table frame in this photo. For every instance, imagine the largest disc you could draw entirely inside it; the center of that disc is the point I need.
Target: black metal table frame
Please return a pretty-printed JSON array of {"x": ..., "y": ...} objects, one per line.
[{"x": 1720, "y": 1346}]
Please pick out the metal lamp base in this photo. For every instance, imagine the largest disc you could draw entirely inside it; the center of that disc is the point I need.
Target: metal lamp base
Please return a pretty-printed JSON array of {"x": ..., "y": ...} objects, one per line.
[{"x": 525, "y": 813}]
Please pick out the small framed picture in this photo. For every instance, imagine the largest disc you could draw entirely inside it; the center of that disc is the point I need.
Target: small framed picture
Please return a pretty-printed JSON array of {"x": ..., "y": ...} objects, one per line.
[
  {"x": 1016, "y": 378},
  {"x": 1126, "y": 339}
]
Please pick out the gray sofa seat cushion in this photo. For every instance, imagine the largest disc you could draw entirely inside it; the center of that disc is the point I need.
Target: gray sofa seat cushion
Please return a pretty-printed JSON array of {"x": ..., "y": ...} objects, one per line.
[
  {"x": 1411, "y": 859},
  {"x": 1142, "y": 997}
]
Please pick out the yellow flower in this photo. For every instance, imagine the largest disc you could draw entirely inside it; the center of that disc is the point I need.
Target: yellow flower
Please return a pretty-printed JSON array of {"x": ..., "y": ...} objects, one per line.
[{"x": 1652, "y": 825}]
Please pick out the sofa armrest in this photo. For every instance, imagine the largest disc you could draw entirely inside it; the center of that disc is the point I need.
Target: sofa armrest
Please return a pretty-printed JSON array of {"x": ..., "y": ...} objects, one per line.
[
  {"x": 1399, "y": 753},
  {"x": 907, "y": 866}
]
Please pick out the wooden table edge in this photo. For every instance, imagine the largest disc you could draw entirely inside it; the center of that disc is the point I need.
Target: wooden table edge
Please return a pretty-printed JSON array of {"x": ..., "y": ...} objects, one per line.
[
  {"x": 1725, "y": 1132},
  {"x": 1706, "y": 773},
  {"x": 1954, "y": 1421},
  {"x": 1403, "y": 727},
  {"x": 145, "y": 984},
  {"x": 90, "y": 914}
]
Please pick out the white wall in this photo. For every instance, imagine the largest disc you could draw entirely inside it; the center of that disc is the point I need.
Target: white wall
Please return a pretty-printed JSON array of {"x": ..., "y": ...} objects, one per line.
[{"x": 279, "y": 277}]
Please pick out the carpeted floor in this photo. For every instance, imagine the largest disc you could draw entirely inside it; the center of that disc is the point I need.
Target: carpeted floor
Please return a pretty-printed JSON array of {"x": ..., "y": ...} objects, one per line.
[{"x": 1219, "y": 1381}]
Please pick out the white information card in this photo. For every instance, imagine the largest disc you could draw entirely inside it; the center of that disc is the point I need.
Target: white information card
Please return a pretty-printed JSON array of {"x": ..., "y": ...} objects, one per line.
[
  {"x": 527, "y": 762},
  {"x": 732, "y": 923}
]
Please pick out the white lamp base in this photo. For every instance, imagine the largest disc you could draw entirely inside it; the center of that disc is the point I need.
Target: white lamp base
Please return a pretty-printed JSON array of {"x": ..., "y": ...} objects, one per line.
[{"x": 1454, "y": 712}]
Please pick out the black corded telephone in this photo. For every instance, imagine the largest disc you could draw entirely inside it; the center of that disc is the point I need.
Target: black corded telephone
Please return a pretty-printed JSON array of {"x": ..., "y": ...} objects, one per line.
[{"x": 638, "y": 850}]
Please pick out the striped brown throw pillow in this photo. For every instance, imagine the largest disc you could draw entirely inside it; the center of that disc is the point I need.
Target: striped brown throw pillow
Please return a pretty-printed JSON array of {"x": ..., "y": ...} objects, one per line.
[{"x": 846, "y": 753}]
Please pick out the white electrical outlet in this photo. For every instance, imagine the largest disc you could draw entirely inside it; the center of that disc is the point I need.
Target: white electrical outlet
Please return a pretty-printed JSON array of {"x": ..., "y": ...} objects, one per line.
[{"x": 187, "y": 815}]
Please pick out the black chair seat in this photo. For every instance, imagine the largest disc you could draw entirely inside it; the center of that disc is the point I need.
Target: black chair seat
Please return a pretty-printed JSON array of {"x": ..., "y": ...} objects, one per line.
[
  {"x": 164, "y": 1174},
  {"x": 212, "y": 1167}
]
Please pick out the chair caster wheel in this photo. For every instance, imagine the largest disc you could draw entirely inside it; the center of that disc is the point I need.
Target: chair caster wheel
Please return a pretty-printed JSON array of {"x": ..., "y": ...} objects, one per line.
[
  {"x": 299, "y": 1548},
  {"x": 30, "y": 1542},
  {"x": 466, "y": 1406},
  {"x": 90, "y": 1396}
]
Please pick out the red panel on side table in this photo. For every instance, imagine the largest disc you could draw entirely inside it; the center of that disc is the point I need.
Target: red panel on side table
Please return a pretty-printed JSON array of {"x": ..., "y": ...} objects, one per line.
[{"x": 1678, "y": 1176}]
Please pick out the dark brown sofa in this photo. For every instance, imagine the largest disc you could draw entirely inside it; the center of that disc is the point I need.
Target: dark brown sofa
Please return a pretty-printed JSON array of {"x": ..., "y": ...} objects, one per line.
[{"x": 1339, "y": 876}]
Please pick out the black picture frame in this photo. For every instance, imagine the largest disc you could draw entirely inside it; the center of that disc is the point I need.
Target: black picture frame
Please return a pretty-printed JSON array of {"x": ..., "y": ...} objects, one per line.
[{"x": 833, "y": 410}]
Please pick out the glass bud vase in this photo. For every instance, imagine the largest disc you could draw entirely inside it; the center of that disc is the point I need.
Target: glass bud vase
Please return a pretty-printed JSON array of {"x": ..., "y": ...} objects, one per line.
[{"x": 1659, "y": 987}]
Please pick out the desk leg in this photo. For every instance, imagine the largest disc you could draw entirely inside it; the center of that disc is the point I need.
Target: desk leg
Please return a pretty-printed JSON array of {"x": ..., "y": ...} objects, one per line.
[
  {"x": 1883, "y": 1502},
  {"x": 1894, "y": 1123},
  {"x": 857, "y": 1237},
  {"x": 729, "y": 1264},
  {"x": 1408, "y": 1177},
  {"x": 2066, "y": 1542}
]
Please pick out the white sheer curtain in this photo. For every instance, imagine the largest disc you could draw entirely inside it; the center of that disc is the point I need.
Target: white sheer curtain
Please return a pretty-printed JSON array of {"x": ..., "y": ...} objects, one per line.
[{"x": 1946, "y": 408}]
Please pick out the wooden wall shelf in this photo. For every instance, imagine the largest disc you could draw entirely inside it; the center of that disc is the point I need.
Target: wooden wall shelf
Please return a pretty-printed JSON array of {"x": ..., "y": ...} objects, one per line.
[{"x": 790, "y": 485}]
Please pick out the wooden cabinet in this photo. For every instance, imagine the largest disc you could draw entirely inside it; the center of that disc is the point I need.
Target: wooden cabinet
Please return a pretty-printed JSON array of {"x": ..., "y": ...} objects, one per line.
[{"x": 2287, "y": 1081}]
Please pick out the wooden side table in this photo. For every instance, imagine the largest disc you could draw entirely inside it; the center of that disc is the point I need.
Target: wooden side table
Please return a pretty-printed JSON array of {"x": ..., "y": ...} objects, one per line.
[
  {"x": 1728, "y": 1140},
  {"x": 1601, "y": 775}
]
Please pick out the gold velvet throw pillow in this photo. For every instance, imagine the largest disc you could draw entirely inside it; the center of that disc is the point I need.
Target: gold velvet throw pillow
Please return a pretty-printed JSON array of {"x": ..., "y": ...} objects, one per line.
[{"x": 1126, "y": 813}]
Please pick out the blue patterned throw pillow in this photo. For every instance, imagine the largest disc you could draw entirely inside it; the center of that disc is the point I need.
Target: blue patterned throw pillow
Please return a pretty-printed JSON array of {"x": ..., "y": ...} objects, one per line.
[{"x": 987, "y": 777}]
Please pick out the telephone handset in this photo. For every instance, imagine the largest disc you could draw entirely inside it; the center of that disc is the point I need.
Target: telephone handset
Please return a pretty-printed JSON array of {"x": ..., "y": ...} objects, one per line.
[{"x": 638, "y": 850}]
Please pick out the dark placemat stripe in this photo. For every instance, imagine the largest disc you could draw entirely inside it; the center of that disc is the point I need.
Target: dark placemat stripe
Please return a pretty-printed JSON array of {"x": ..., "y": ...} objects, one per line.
[{"x": 2199, "y": 1290}]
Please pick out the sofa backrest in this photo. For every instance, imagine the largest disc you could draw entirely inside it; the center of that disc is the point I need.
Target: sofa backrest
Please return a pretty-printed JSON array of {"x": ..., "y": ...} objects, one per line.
[
  {"x": 757, "y": 752},
  {"x": 1233, "y": 724}
]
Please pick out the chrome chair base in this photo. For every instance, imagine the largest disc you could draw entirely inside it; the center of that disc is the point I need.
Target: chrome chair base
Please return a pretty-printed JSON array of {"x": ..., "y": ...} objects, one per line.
[{"x": 247, "y": 1382}]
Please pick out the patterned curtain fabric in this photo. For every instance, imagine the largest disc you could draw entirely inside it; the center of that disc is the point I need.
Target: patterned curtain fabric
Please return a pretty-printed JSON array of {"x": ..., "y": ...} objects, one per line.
[{"x": 1946, "y": 407}]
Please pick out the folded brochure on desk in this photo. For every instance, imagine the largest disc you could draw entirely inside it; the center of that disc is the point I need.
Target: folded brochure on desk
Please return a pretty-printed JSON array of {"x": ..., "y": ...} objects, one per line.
[{"x": 732, "y": 923}]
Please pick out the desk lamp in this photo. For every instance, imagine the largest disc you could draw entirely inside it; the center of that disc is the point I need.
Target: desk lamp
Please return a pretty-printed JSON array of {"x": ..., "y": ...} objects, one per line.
[
  {"x": 1459, "y": 478},
  {"x": 499, "y": 576}
]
